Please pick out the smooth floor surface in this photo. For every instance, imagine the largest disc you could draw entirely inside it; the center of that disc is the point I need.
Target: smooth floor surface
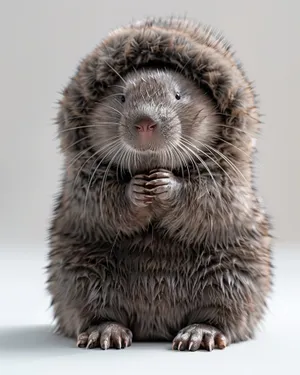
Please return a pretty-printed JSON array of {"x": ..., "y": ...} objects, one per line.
[{"x": 27, "y": 345}]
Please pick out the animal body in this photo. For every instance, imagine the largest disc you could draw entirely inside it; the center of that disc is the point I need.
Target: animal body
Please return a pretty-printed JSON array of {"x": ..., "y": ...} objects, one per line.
[{"x": 157, "y": 232}]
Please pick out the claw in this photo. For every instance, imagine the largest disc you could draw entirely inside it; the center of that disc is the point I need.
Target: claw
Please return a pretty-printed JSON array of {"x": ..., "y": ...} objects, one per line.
[
  {"x": 105, "y": 345},
  {"x": 191, "y": 345},
  {"x": 179, "y": 345},
  {"x": 89, "y": 344},
  {"x": 119, "y": 343}
]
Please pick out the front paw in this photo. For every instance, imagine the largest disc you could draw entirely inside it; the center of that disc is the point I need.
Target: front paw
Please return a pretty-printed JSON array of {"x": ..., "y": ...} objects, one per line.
[
  {"x": 105, "y": 336},
  {"x": 198, "y": 336},
  {"x": 162, "y": 185},
  {"x": 137, "y": 193}
]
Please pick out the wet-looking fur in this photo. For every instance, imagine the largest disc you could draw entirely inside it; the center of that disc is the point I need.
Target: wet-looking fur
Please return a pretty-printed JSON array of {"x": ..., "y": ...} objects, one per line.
[{"x": 159, "y": 234}]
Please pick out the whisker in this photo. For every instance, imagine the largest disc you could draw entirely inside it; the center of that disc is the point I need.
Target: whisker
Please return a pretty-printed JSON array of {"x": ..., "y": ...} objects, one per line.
[
  {"x": 129, "y": 163},
  {"x": 96, "y": 169},
  {"x": 214, "y": 114},
  {"x": 102, "y": 124},
  {"x": 218, "y": 191},
  {"x": 208, "y": 156},
  {"x": 122, "y": 87},
  {"x": 78, "y": 155},
  {"x": 109, "y": 96},
  {"x": 169, "y": 156},
  {"x": 192, "y": 161},
  {"x": 184, "y": 66},
  {"x": 93, "y": 107},
  {"x": 88, "y": 126},
  {"x": 92, "y": 156},
  {"x": 74, "y": 143},
  {"x": 182, "y": 160},
  {"x": 246, "y": 114},
  {"x": 232, "y": 127},
  {"x": 231, "y": 144},
  {"x": 114, "y": 70},
  {"x": 233, "y": 166},
  {"x": 126, "y": 157},
  {"x": 112, "y": 108},
  {"x": 135, "y": 158},
  {"x": 240, "y": 130},
  {"x": 205, "y": 166},
  {"x": 121, "y": 163},
  {"x": 112, "y": 141},
  {"x": 105, "y": 178}
]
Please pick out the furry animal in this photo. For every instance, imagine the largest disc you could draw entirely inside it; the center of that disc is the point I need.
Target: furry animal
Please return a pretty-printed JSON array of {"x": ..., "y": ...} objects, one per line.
[{"x": 157, "y": 231}]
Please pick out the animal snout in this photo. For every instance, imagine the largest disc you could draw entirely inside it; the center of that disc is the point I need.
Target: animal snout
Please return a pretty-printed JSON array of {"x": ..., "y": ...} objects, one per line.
[{"x": 145, "y": 125}]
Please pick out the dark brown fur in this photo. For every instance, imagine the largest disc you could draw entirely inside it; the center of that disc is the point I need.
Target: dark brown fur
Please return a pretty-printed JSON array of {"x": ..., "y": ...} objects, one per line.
[{"x": 197, "y": 261}]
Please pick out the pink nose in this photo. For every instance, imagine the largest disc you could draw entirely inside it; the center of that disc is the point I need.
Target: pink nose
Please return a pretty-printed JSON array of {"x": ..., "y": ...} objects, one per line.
[{"x": 145, "y": 125}]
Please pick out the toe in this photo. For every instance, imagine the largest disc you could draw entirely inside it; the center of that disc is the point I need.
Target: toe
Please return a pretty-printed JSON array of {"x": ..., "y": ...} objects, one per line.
[
  {"x": 208, "y": 342},
  {"x": 158, "y": 182},
  {"x": 177, "y": 345},
  {"x": 159, "y": 189},
  {"x": 220, "y": 341},
  {"x": 159, "y": 175},
  {"x": 82, "y": 340},
  {"x": 117, "y": 342},
  {"x": 141, "y": 177},
  {"x": 93, "y": 340},
  {"x": 105, "y": 340},
  {"x": 159, "y": 170},
  {"x": 127, "y": 339},
  {"x": 126, "y": 342},
  {"x": 181, "y": 341},
  {"x": 194, "y": 345},
  {"x": 196, "y": 339}
]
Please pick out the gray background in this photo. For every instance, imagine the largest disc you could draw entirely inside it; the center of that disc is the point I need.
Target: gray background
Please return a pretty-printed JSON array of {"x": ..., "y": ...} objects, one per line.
[{"x": 41, "y": 44}]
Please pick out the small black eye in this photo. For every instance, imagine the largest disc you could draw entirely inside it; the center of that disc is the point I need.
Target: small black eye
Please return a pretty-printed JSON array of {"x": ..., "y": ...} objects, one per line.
[
  {"x": 123, "y": 98},
  {"x": 177, "y": 96}
]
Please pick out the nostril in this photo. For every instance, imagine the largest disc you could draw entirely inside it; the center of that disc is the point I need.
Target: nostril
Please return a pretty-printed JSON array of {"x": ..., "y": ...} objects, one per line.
[
  {"x": 145, "y": 125},
  {"x": 152, "y": 126}
]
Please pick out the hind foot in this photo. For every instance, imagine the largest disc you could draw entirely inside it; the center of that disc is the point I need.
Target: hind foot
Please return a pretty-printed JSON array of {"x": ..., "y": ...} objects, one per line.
[
  {"x": 105, "y": 336},
  {"x": 198, "y": 336}
]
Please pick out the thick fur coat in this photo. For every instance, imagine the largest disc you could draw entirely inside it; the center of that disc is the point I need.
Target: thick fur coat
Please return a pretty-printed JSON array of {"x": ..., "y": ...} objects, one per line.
[{"x": 198, "y": 269}]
